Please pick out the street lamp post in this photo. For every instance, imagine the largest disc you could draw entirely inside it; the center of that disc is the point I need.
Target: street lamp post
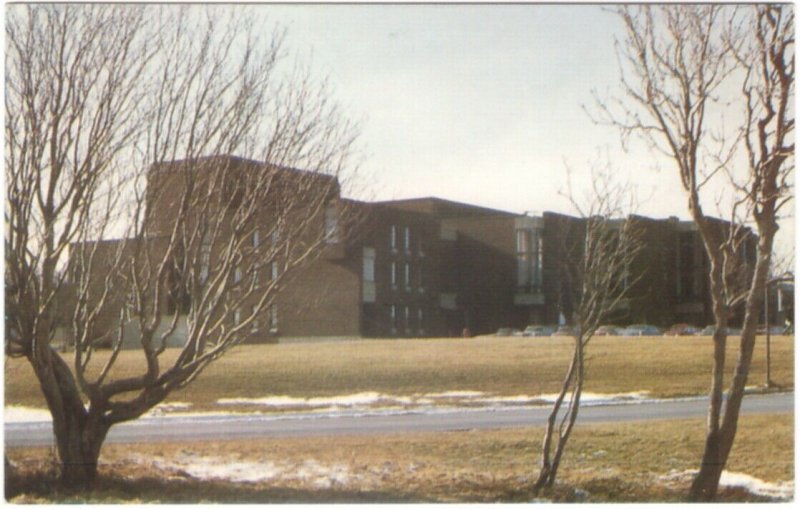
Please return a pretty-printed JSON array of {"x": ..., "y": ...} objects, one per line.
[{"x": 766, "y": 319}]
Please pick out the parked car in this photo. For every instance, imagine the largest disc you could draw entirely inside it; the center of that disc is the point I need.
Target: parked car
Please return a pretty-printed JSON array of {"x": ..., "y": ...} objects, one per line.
[
  {"x": 507, "y": 332},
  {"x": 709, "y": 331},
  {"x": 773, "y": 329},
  {"x": 641, "y": 330},
  {"x": 608, "y": 330},
  {"x": 564, "y": 330},
  {"x": 681, "y": 329},
  {"x": 538, "y": 331}
]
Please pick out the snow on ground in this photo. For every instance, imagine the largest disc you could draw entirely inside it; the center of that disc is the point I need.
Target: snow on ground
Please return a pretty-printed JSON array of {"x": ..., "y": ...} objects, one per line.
[
  {"x": 362, "y": 403},
  {"x": 783, "y": 490},
  {"x": 348, "y": 400},
  {"x": 221, "y": 469},
  {"x": 596, "y": 398},
  {"x": 237, "y": 471},
  {"x": 167, "y": 408},
  {"x": 16, "y": 413},
  {"x": 450, "y": 398}
]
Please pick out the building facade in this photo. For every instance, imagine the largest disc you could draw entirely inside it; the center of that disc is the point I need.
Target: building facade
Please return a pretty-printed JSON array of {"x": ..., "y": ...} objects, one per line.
[{"x": 430, "y": 267}]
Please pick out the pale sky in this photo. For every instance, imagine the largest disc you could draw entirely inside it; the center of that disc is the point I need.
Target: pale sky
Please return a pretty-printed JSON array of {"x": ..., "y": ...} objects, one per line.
[{"x": 478, "y": 103}]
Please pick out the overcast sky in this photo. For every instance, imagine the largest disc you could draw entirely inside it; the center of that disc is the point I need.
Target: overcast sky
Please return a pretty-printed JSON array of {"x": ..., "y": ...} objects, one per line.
[{"x": 478, "y": 103}]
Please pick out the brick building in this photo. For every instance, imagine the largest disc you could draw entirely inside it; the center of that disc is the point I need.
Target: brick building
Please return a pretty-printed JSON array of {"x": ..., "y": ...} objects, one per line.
[{"x": 432, "y": 267}]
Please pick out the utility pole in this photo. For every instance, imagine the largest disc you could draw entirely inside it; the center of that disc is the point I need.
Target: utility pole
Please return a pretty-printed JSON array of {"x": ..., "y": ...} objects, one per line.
[{"x": 766, "y": 319}]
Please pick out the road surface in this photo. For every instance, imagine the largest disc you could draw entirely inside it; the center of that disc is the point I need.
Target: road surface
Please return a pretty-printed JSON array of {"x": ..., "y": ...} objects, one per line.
[{"x": 194, "y": 428}]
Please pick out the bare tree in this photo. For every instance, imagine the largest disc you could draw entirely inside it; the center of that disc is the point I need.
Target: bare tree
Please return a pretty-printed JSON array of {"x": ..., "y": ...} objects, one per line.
[
  {"x": 678, "y": 64},
  {"x": 596, "y": 254},
  {"x": 119, "y": 123}
]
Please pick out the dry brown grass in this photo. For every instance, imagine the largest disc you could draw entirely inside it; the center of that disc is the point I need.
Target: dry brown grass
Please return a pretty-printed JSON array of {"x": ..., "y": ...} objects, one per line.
[
  {"x": 504, "y": 366},
  {"x": 610, "y": 462}
]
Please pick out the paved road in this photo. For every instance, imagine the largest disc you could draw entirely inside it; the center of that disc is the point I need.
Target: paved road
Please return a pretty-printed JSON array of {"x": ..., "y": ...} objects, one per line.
[{"x": 226, "y": 427}]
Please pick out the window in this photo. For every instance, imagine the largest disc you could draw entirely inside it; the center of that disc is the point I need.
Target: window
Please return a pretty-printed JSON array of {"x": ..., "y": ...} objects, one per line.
[
  {"x": 421, "y": 320},
  {"x": 256, "y": 239},
  {"x": 368, "y": 275},
  {"x": 537, "y": 268},
  {"x": 273, "y": 318},
  {"x": 407, "y": 313},
  {"x": 393, "y": 238},
  {"x": 393, "y": 274},
  {"x": 369, "y": 264},
  {"x": 420, "y": 280},
  {"x": 407, "y": 239},
  {"x": 407, "y": 278},
  {"x": 393, "y": 318},
  {"x": 529, "y": 259},
  {"x": 237, "y": 275},
  {"x": 254, "y": 323},
  {"x": 205, "y": 258},
  {"x": 331, "y": 224},
  {"x": 237, "y": 317},
  {"x": 274, "y": 270}
]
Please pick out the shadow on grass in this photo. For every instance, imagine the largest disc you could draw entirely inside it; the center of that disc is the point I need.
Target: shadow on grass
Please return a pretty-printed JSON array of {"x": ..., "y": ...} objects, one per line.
[{"x": 43, "y": 487}]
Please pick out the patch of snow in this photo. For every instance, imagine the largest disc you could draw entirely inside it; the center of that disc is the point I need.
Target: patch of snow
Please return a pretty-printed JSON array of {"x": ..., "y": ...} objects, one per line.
[
  {"x": 362, "y": 398},
  {"x": 15, "y": 413},
  {"x": 509, "y": 399},
  {"x": 217, "y": 468},
  {"x": 321, "y": 476},
  {"x": 165, "y": 408},
  {"x": 783, "y": 490},
  {"x": 454, "y": 394},
  {"x": 421, "y": 401},
  {"x": 237, "y": 471},
  {"x": 597, "y": 398}
]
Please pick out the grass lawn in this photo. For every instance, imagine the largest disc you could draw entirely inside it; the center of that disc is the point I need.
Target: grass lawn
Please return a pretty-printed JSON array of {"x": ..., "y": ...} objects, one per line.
[
  {"x": 604, "y": 462},
  {"x": 503, "y": 366}
]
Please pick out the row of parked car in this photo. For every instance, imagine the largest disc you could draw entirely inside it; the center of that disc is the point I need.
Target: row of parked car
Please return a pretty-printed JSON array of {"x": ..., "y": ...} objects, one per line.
[{"x": 679, "y": 329}]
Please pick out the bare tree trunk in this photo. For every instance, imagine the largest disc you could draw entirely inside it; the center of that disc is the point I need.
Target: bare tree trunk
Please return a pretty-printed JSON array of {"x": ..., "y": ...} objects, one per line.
[
  {"x": 719, "y": 440},
  {"x": 79, "y": 434},
  {"x": 573, "y": 417},
  {"x": 548, "y": 467},
  {"x": 574, "y": 379}
]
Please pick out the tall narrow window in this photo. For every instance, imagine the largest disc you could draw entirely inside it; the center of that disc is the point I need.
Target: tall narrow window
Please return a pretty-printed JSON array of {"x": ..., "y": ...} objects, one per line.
[
  {"x": 407, "y": 313},
  {"x": 523, "y": 258},
  {"x": 393, "y": 238},
  {"x": 237, "y": 316},
  {"x": 368, "y": 293},
  {"x": 275, "y": 270},
  {"x": 421, "y": 320},
  {"x": 205, "y": 257},
  {"x": 369, "y": 264},
  {"x": 407, "y": 239},
  {"x": 393, "y": 274},
  {"x": 254, "y": 323},
  {"x": 393, "y": 317},
  {"x": 537, "y": 260},
  {"x": 273, "y": 318},
  {"x": 237, "y": 275},
  {"x": 331, "y": 224},
  {"x": 407, "y": 278},
  {"x": 529, "y": 259},
  {"x": 256, "y": 239}
]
